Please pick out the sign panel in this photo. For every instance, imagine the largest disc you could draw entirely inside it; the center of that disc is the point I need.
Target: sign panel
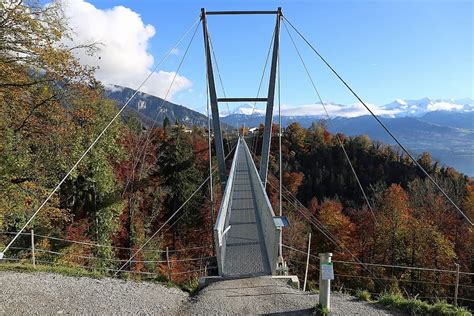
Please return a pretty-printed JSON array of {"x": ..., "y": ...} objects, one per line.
[
  {"x": 281, "y": 221},
  {"x": 327, "y": 271}
]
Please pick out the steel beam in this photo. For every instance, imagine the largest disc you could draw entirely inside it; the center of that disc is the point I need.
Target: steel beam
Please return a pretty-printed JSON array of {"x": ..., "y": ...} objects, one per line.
[
  {"x": 267, "y": 132},
  {"x": 242, "y": 100},
  {"x": 214, "y": 105},
  {"x": 240, "y": 12}
]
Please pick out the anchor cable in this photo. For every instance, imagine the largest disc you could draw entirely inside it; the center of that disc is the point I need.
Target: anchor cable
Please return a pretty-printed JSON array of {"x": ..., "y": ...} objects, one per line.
[{"x": 380, "y": 123}]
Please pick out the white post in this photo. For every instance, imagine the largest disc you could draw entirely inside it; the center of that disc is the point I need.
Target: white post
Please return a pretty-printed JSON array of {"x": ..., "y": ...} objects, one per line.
[
  {"x": 307, "y": 263},
  {"x": 326, "y": 274},
  {"x": 33, "y": 259},
  {"x": 168, "y": 263},
  {"x": 456, "y": 288}
]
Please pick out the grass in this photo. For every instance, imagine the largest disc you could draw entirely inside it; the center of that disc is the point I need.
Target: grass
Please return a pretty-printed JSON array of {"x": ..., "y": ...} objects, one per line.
[
  {"x": 67, "y": 271},
  {"x": 418, "y": 307},
  {"x": 323, "y": 311},
  {"x": 363, "y": 295},
  {"x": 191, "y": 286}
]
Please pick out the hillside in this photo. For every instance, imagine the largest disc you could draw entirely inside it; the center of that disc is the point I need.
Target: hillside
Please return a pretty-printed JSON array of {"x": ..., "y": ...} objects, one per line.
[
  {"x": 151, "y": 108},
  {"x": 448, "y": 136},
  {"x": 81, "y": 193}
]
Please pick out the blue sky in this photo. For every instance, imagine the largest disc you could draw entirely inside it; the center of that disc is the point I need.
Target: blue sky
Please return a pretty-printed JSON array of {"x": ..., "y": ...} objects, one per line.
[{"x": 385, "y": 49}]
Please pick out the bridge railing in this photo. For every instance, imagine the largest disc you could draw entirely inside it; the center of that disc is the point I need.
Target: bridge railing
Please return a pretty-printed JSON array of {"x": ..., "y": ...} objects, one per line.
[
  {"x": 271, "y": 232},
  {"x": 222, "y": 223}
]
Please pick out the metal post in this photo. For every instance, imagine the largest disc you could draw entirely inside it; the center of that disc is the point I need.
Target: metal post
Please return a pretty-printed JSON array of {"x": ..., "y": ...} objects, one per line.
[
  {"x": 33, "y": 259},
  {"x": 168, "y": 263},
  {"x": 280, "y": 204},
  {"x": 214, "y": 105},
  {"x": 325, "y": 279},
  {"x": 267, "y": 133},
  {"x": 307, "y": 263},
  {"x": 456, "y": 288},
  {"x": 211, "y": 182}
]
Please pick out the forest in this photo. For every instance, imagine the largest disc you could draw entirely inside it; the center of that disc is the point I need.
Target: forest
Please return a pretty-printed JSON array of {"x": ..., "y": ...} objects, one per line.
[{"x": 135, "y": 177}]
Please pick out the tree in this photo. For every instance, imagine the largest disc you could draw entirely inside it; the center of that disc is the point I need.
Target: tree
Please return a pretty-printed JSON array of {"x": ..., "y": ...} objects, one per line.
[
  {"x": 393, "y": 218},
  {"x": 338, "y": 225},
  {"x": 295, "y": 137},
  {"x": 51, "y": 108},
  {"x": 292, "y": 180},
  {"x": 181, "y": 178}
]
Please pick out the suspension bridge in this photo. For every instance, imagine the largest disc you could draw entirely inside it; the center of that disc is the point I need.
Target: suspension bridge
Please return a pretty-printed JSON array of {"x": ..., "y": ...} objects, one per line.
[{"x": 247, "y": 231}]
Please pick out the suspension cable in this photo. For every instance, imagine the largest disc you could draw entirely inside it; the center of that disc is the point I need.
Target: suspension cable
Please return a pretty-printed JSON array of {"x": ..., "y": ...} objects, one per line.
[
  {"x": 254, "y": 138},
  {"x": 381, "y": 123},
  {"x": 210, "y": 177},
  {"x": 167, "y": 221},
  {"x": 220, "y": 79},
  {"x": 280, "y": 204},
  {"x": 319, "y": 226},
  {"x": 91, "y": 146},
  {"x": 381, "y": 264},
  {"x": 327, "y": 114},
  {"x": 137, "y": 158},
  {"x": 298, "y": 206},
  {"x": 142, "y": 154}
]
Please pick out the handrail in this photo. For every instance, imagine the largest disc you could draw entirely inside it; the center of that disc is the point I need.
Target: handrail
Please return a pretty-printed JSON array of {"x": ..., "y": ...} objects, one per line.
[
  {"x": 219, "y": 227},
  {"x": 271, "y": 232},
  {"x": 260, "y": 182}
]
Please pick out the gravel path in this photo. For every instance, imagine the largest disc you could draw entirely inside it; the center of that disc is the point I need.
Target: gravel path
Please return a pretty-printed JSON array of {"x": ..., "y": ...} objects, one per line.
[
  {"x": 48, "y": 294},
  {"x": 264, "y": 295}
]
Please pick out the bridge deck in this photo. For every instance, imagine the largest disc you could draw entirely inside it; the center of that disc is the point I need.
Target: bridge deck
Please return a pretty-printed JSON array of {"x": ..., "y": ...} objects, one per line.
[{"x": 245, "y": 253}]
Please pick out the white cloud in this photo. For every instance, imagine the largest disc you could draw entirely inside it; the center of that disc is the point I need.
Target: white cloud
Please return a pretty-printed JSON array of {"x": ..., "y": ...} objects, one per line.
[
  {"x": 444, "y": 106},
  {"x": 249, "y": 110},
  {"x": 334, "y": 110},
  {"x": 124, "y": 58}
]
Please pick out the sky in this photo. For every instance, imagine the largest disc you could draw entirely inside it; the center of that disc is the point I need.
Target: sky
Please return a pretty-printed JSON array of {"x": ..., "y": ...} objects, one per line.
[{"x": 385, "y": 50}]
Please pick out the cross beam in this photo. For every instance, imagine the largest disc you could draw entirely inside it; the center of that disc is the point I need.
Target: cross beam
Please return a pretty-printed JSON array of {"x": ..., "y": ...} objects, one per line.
[
  {"x": 240, "y": 12},
  {"x": 242, "y": 100}
]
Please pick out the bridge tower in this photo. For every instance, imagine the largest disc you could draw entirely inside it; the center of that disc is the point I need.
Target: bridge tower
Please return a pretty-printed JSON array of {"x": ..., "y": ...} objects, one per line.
[{"x": 247, "y": 232}]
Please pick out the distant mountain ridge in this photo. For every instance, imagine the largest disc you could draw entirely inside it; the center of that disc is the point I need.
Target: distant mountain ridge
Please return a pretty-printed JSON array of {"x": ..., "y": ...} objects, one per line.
[
  {"x": 397, "y": 108},
  {"x": 447, "y": 134},
  {"x": 150, "y": 108}
]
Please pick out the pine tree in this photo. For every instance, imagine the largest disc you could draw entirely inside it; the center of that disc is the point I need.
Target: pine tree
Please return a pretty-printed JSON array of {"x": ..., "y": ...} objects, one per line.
[{"x": 181, "y": 178}]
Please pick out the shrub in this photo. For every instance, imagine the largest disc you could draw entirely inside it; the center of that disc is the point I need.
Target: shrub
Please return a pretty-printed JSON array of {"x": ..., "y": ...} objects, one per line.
[
  {"x": 363, "y": 295},
  {"x": 418, "y": 307}
]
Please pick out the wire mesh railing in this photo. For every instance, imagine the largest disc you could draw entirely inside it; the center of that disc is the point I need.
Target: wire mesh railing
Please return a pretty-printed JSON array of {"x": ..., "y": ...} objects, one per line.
[
  {"x": 172, "y": 264},
  {"x": 433, "y": 284}
]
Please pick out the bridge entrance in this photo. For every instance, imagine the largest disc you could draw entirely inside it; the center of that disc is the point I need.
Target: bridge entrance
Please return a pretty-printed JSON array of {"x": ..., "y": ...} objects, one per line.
[{"x": 246, "y": 235}]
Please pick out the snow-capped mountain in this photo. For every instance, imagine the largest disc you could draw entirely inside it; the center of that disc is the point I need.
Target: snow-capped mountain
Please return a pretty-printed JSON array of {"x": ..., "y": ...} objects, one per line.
[
  {"x": 445, "y": 128},
  {"x": 397, "y": 108},
  {"x": 418, "y": 108}
]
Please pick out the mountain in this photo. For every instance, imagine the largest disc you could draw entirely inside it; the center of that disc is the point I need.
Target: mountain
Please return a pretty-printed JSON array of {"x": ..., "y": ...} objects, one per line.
[
  {"x": 450, "y": 145},
  {"x": 445, "y": 128},
  {"x": 419, "y": 108},
  {"x": 449, "y": 118},
  {"x": 150, "y": 108},
  {"x": 447, "y": 135},
  {"x": 397, "y": 108}
]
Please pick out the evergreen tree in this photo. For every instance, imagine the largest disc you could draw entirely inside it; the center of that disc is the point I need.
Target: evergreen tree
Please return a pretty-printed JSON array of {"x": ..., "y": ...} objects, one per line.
[{"x": 181, "y": 178}]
